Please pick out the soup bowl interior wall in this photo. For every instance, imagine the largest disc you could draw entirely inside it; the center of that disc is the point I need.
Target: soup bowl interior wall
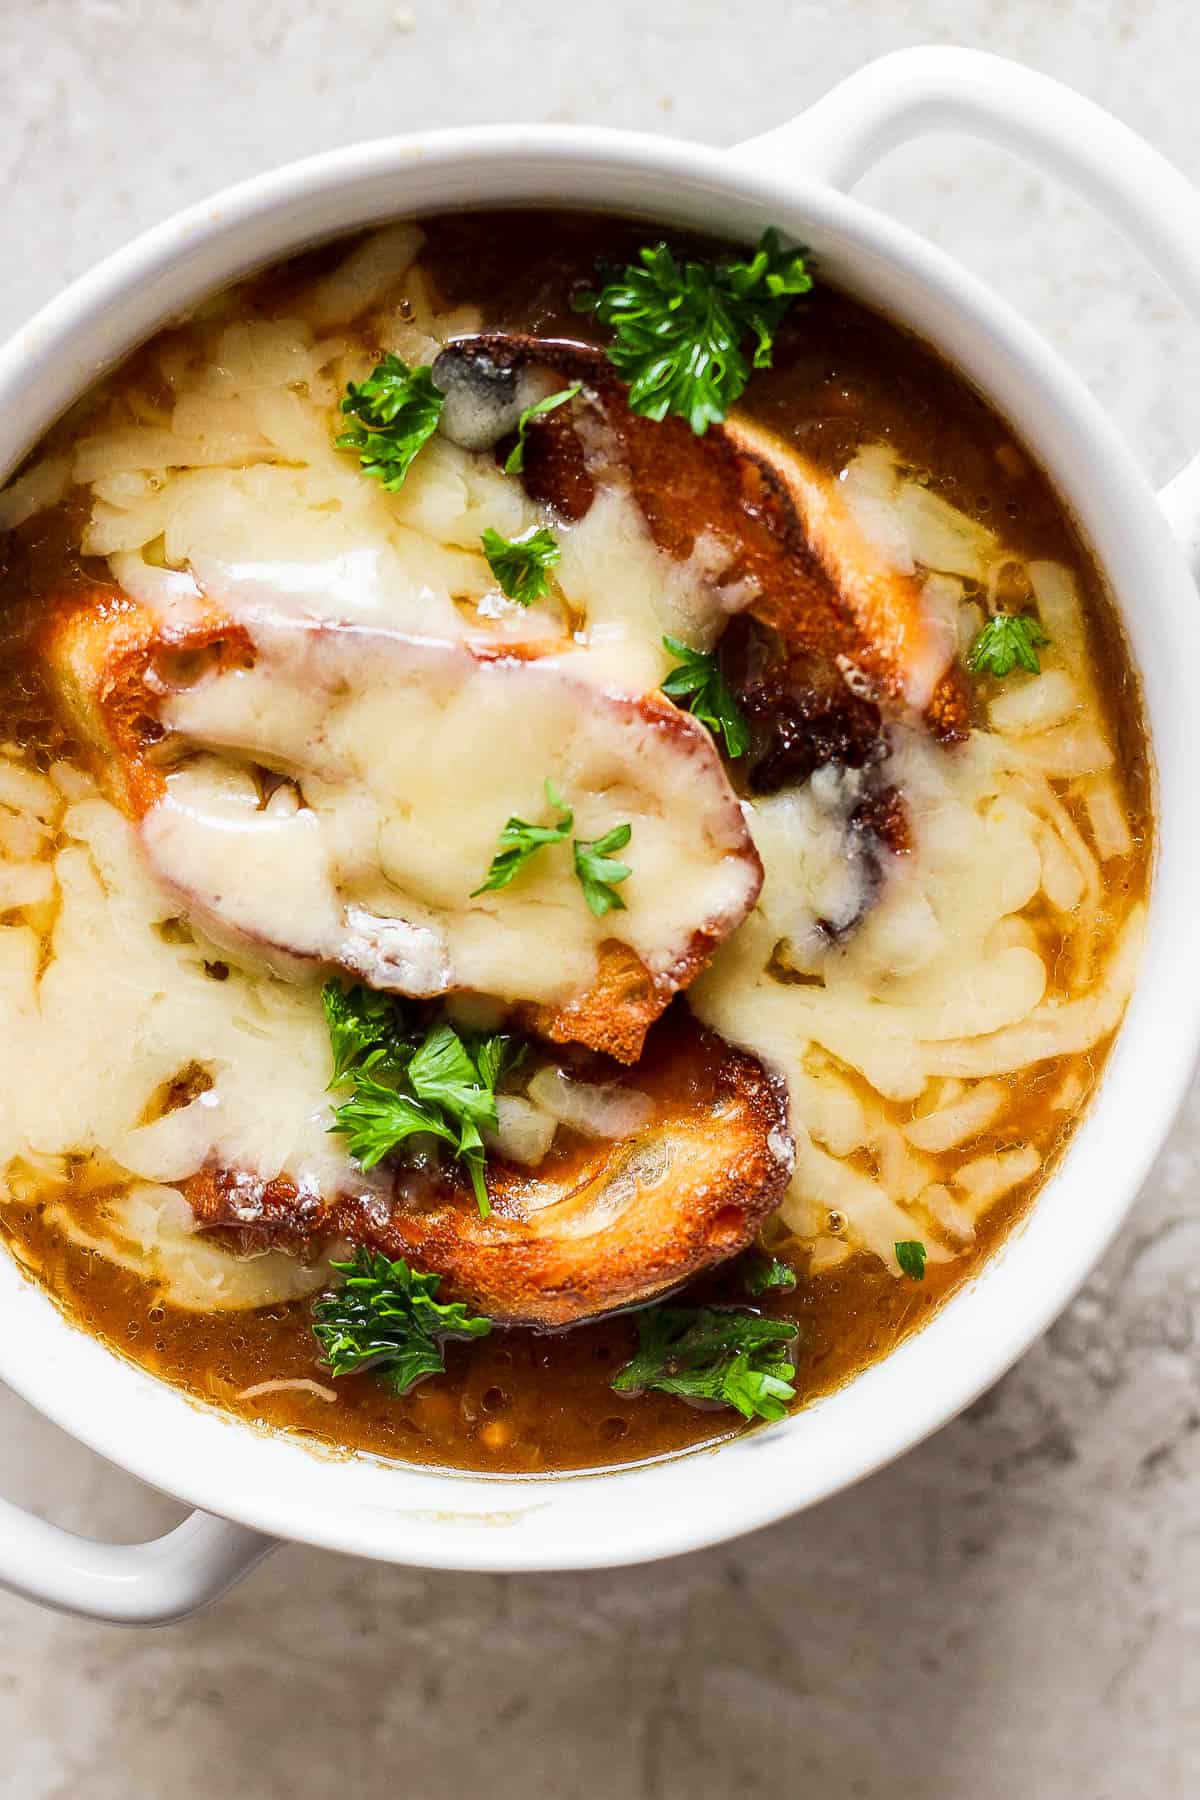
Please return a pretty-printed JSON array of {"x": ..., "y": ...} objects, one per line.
[{"x": 277, "y": 1486}]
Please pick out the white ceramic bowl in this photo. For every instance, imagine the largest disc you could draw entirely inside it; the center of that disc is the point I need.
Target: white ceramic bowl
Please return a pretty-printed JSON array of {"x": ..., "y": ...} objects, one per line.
[{"x": 254, "y": 1488}]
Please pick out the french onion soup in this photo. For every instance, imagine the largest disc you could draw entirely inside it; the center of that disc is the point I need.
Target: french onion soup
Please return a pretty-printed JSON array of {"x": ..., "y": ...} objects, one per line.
[{"x": 574, "y": 831}]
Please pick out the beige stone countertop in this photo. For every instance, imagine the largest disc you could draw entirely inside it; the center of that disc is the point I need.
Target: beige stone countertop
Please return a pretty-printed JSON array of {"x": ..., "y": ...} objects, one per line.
[{"x": 1013, "y": 1611}]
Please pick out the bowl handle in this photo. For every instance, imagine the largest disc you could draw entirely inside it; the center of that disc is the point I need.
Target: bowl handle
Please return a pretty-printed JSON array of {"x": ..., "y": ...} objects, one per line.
[
  {"x": 938, "y": 89},
  {"x": 126, "y": 1584}
]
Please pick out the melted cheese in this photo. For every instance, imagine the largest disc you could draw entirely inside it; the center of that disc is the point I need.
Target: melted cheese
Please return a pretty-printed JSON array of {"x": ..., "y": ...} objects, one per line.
[
  {"x": 409, "y": 757},
  {"x": 241, "y": 495},
  {"x": 945, "y": 977},
  {"x": 101, "y": 968}
]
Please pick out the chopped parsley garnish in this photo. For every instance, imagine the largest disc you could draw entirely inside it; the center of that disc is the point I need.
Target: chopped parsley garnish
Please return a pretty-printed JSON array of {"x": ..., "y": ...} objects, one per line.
[
  {"x": 679, "y": 328},
  {"x": 520, "y": 840},
  {"x": 397, "y": 409},
  {"x": 762, "y": 1273},
  {"x": 595, "y": 867},
  {"x": 515, "y": 463},
  {"x": 710, "y": 1353},
  {"x": 910, "y": 1254},
  {"x": 408, "y": 1082},
  {"x": 703, "y": 689},
  {"x": 365, "y": 1029},
  {"x": 1008, "y": 641},
  {"x": 522, "y": 565},
  {"x": 379, "y": 1118},
  {"x": 598, "y": 874},
  {"x": 385, "y": 1317}
]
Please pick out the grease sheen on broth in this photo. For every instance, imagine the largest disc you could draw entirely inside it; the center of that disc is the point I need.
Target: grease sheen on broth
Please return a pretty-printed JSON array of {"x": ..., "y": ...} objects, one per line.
[{"x": 852, "y": 1023}]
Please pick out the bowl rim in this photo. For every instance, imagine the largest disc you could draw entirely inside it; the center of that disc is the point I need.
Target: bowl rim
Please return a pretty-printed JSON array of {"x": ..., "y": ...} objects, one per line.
[{"x": 450, "y": 1520}]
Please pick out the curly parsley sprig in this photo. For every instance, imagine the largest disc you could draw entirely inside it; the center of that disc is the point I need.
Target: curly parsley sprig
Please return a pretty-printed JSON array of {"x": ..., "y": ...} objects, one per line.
[
  {"x": 407, "y": 1082},
  {"x": 385, "y": 1317},
  {"x": 522, "y": 565},
  {"x": 397, "y": 409},
  {"x": 367, "y": 1031},
  {"x": 680, "y": 329},
  {"x": 731, "y": 1357}
]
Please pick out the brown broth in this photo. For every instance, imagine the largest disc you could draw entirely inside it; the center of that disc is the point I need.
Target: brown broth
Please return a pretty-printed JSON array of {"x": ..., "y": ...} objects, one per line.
[{"x": 519, "y": 1401}]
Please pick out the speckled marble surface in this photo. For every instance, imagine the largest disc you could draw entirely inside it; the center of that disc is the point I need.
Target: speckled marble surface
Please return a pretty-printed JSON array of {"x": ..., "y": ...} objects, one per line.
[{"x": 1014, "y": 1609}]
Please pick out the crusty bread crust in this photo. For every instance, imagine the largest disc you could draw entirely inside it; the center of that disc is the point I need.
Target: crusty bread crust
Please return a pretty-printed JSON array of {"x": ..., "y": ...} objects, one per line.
[
  {"x": 597, "y": 1227},
  {"x": 823, "y": 591},
  {"x": 109, "y": 660}
]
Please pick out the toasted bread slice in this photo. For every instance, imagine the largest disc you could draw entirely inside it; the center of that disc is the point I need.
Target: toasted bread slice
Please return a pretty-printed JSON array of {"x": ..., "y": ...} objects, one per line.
[
  {"x": 809, "y": 570},
  {"x": 909, "y": 646},
  {"x": 332, "y": 796},
  {"x": 597, "y": 1227}
]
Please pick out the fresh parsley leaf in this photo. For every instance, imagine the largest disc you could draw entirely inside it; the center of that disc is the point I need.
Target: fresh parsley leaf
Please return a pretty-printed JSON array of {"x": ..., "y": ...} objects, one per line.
[
  {"x": 679, "y": 329},
  {"x": 408, "y": 1082},
  {"x": 444, "y": 1074},
  {"x": 385, "y": 1317},
  {"x": 520, "y": 840},
  {"x": 910, "y": 1254},
  {"x": 762, "y": 1273},
  {"x": 470, "y": 1153},
  {"x": 598, "y": 874},
  {"x": 377, "y": 1119},
  {"x": 699, "y": 683},
  {"x": 710, "y": 1353},
  {"x": 1008, "y": 641},
  {"x": 495, "y": 1056},
  {"x": 763, "y": 1393},
  {"x": 365, "y": 1029},
  {"x": 522, "y": 565},
  {"x": 397, "y": 409},
  {"x": 515, "y": 463}
]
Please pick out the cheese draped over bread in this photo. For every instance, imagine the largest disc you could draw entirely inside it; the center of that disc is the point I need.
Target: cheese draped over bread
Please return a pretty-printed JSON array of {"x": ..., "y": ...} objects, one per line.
[{"x": 320, "y": 793}]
